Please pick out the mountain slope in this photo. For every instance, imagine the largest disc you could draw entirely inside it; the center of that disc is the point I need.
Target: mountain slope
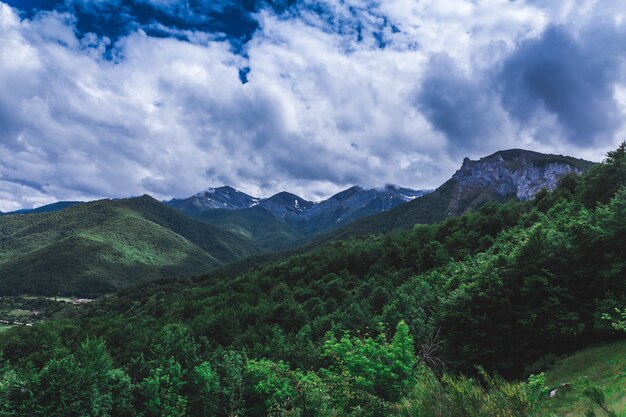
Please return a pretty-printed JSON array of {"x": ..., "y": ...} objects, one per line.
[
  {"x": 255, "y": 223},
  {"x": 511, "y": 174},
  {"x": 308, "y": 218},
  {"x": 286, "y": 206},
  {"x": 214, "y": 198},
  {"x": 355, "y": 203},
  {"x": 104, "y": 245}
]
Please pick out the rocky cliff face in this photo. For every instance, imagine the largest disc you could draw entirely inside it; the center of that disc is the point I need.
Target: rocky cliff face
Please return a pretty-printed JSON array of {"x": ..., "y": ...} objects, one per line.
[
  {"x": 523, "y": 175},
  {"x": 505, "y": 174}
]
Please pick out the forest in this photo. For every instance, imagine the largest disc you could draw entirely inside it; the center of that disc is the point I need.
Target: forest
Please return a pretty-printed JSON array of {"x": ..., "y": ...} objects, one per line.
[{"x": 458, "y": 318}]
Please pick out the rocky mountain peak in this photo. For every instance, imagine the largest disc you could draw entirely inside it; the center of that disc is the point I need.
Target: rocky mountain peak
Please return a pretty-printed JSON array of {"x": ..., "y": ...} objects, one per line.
[
  {"x": 517, "y": 172},
  {"x": 224, "y": 197}
]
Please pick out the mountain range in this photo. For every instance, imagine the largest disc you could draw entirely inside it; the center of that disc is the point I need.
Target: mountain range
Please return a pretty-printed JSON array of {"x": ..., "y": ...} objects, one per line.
[
  {"x": 98, "y": 247},
  {"x": 303, "y": 216},
  {"x": 286, "y": 219},
  {"x": 59, "y": 205}
]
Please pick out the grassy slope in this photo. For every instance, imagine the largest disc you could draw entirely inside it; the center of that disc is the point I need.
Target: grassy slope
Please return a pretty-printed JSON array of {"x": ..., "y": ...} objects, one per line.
[
  {"x": 605, "y": 365},
  {"x": 105, "y": 245}
]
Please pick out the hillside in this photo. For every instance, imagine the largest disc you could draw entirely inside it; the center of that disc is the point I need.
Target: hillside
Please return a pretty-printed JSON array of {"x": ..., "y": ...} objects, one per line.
[
  {"x": 602, "y": 365},
  {"x": 256, "y": 223},
  {"x": 98, "y": 247},
  {"x": 513, "y": 174},
  {"x": 59, "y": 205}
]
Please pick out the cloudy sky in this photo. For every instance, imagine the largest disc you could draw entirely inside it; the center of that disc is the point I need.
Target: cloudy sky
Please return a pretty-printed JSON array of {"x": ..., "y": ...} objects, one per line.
[{"x": 112, "y": 98}]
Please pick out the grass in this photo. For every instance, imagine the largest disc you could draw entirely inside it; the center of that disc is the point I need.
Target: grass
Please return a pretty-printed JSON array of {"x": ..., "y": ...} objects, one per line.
[
  {"x": 20, "y": 313},
  {"x": 604, "y": 365}
]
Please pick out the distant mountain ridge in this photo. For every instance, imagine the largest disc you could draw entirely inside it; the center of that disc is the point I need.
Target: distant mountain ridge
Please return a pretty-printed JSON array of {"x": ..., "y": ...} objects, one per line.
[
  {"x": 353, "y": 204},
  {"x": 508, "y": 174},
  {"x": 214, "y": 198},
  {"x": 48, "y": 208},
  {"x": 305, "y": 217}
]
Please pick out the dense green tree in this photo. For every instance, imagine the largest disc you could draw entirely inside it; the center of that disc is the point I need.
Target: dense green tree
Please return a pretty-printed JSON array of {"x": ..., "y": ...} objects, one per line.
[
  {"x": 162, "y": 391},
  {"x": 80, "y": 384}
]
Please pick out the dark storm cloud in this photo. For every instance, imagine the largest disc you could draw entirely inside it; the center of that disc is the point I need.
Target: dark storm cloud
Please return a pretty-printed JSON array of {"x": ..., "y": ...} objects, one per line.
[
  {"x": 459, "y": 105},
  {"x": 570, "y": 77},
  {"x": 561, "y": 74},
  {"x": 26, "y": 183}
]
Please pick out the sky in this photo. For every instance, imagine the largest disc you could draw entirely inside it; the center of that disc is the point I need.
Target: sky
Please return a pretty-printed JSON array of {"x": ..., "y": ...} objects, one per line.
[{"x": 117, "y": 98}]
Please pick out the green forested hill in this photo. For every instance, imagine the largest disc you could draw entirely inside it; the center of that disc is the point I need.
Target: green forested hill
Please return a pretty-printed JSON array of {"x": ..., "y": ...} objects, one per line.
[
  {"x": 378, "y": 326},
  {"x": 256, "y": 223},
  {"x": 98, "y": 247}
]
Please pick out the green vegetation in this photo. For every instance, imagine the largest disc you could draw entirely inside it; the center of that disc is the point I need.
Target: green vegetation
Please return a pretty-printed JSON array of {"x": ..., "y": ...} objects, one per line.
[
  {"x": 178, "y": 377},
  {"x": 30, "y": 310},
  {"x": 95, "y": 248},
  {"x": 416, "y": 323},
  {"x": 541, "y": 159},
  {"x": 603, "y": 367},
  {"x": 256, "y": 223},
  {"x": 620, "y": 322}
]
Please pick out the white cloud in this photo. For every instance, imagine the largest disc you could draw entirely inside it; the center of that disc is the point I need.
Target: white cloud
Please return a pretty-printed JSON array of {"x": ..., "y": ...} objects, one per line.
[{"x": 325, "y": 106}]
